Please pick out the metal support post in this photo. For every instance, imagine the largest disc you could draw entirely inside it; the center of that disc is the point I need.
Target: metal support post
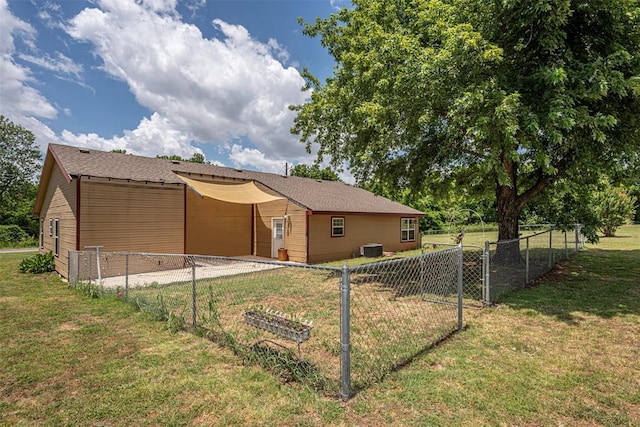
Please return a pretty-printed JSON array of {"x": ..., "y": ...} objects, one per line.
[
  {"x": 345, "y": 333},
  {"x": 126, "y": 276},
  {"x": 97, "y": 248},
  {"x": 422, "y": 276},
  {"x": 193, "y": 290},
  {"x": 487, "y": 273},
  {"x": 460, "y": 288},
  {"x": 550, "y": 249},
  {"x": 526, "y": 263}
]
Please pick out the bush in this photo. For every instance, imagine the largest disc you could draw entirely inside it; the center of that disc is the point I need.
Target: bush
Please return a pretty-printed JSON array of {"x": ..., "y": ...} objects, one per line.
[
  {"x": 614, "y": 207},
  {"x": 39, "y": 263},
  {"x": 11, "y": 234}
]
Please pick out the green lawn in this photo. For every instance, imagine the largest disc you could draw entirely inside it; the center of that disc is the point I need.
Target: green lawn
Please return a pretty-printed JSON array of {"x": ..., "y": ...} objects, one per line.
[{"x": 565, "y": 352}]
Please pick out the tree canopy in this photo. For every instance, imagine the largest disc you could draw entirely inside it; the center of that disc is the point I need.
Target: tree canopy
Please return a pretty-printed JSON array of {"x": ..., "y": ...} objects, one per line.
[
  {"x": 501, "y": 98},
  {"x": 196, "y": 158},
  {"x": 19, "y": 165},
  {"x": 314, "y": 172}
]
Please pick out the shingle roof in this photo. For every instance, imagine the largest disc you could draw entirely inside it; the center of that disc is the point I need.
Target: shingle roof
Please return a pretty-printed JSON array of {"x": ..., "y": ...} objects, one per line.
[{"x": 316, "y": 195}]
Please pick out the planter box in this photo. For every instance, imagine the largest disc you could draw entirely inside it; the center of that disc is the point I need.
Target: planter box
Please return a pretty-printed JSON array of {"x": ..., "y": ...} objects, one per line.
[{"x": 279, "y": 325}]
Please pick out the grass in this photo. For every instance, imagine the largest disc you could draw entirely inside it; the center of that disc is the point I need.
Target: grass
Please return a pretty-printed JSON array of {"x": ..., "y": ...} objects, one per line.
[{"x": 564, "y": 352}]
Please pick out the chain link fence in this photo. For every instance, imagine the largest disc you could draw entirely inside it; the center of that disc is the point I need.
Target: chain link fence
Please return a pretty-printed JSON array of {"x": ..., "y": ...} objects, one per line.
[
  {"x": 473, "y": 290},
  {"x": 336, "y": 329},
  {"x": 514, "y": 264}
]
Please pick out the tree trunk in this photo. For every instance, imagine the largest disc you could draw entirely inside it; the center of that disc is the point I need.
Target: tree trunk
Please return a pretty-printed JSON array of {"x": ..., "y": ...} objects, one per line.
[{"x": 508, "y": 208}]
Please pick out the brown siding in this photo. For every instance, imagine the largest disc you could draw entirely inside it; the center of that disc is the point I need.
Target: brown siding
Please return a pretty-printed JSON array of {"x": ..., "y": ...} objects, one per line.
[
  {"x": 60, "y": 202},
  {"x": 132, "y": 217},
  {"x": 217, "y": 228},
  {"x": 359, "y": 230},
  {"x": 295, "y": 229}
]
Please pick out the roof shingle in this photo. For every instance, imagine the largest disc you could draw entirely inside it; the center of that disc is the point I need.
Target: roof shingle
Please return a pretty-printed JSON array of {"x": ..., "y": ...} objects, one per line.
[{"x": 315, "y": 195}]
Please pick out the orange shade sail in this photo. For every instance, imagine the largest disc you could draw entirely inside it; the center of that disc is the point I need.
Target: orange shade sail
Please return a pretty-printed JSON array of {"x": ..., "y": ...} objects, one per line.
[{"x": 246, "y": 193}]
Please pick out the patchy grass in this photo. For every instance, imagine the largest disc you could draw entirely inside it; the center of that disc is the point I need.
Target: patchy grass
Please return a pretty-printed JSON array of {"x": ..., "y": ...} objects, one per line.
[{"x": 563, "y": 352}]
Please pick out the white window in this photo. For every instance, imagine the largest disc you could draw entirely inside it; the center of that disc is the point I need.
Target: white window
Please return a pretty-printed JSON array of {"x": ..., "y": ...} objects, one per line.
[
  {"x": 408, "y": 229},
  {"x": 56, "y": 239},
  {"x": 337, "y": 226},
  {"x": 50, "y": 227}
]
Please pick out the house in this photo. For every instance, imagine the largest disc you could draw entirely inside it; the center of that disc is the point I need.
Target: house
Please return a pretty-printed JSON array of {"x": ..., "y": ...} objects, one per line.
[{"x": 129, "y": 203}]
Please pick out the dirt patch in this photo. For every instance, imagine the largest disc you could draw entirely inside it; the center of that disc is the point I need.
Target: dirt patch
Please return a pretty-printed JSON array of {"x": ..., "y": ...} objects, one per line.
[{"x": 69, "y": 326}]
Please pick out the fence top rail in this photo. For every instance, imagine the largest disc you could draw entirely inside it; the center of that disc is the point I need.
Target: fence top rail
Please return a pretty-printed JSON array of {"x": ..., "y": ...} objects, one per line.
[
  {"x": 214, "y": 257},
  {"x": 403, "y": 260},
  {"x": 450, "y": 245},
  {"x": 500, "y": 242}
]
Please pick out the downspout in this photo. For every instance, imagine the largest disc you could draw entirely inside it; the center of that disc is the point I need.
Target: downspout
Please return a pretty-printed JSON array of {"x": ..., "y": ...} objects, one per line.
[
  {"x": 308, "y": 214},
  {"x": 253, "y": 229},
  {"x": 78, "y": 216},
  {"x": 184, "y": 216}
]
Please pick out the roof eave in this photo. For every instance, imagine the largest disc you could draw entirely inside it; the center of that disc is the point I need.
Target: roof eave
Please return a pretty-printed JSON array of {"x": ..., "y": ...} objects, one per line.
[{"x": 50, "y": 160}]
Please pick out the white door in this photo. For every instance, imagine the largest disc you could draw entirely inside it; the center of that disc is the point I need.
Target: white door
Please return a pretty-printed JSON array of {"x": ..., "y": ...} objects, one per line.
[{"x": 277, "y": 236}]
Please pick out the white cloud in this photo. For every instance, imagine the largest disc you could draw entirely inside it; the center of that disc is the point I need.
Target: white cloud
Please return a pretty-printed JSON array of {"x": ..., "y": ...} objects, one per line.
[
  {"x": 216, "y": 89},
  {"x": 242, "y": 156},
  {"x": 58, "y": 64},
  {"x": 153, "y": 136},
  {"x": 19, "y": 99},
  {"x": 220, "y": 90}
]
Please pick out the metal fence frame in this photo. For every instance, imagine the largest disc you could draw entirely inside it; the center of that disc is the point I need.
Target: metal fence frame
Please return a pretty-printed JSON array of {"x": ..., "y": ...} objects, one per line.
[
  {"x": 440, "y": 278},
  {"x": 557, "y": 246},
  {"x": 395, "y": 284}
]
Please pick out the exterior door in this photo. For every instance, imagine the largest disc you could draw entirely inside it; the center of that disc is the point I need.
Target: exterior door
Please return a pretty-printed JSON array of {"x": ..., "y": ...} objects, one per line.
[{"x": 277, "y": 236}]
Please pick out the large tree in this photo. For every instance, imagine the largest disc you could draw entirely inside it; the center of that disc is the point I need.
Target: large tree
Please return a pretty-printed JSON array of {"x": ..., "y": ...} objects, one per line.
[
  {"x": 19, "y": 165},
  {"x": 501, "y": 97}
]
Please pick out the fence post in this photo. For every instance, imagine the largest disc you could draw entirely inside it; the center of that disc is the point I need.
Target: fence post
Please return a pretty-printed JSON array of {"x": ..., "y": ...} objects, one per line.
[
  {"x": 487, "y": 273},
  {"x": 193, "y": 290},
  {"x": 460, "y": 288},
  {"x": 577, "y": 235},
  {"x": 126, "y": 276},
  {"x": 550, "y": 249},
  {"x": 422, "y": 273},
  {"x": 526, "y": 263},
  {"x": 566, "y": 246},
  {"x": 345, "y": 334}
]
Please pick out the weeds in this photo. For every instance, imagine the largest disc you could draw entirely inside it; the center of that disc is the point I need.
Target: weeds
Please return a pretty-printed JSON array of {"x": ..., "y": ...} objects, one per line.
[{"x": 38, "y": 264}]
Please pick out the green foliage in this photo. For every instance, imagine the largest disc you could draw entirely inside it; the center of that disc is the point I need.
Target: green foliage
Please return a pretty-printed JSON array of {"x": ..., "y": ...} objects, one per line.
[
  {"x": 19, "y": 166},
  {"x": 38, "y": 264},
  {"x": 501, "y": 98},
  {"x": 614, "y": 207},
  {"x": 196, "y": 158},
  {"x": 11, "y": 234},
  {"x": 314, "y": 172}
]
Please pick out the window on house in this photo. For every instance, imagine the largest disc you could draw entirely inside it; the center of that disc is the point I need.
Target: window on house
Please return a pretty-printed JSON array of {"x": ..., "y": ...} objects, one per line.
[
  {"x": 41, "y": 233},
  {"x": 56, "y": 239},
  {"x": 408, "y": 229},
  {"x": 337, "y": 226},
  {"x": 50, "y": 227}
]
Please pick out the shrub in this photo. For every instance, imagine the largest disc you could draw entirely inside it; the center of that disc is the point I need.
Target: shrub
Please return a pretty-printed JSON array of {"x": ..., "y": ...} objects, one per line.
[
  {"x": 39, "y": 263},
  {"x": 11, "y": 234},
  {"x": 614, "y": 207}
]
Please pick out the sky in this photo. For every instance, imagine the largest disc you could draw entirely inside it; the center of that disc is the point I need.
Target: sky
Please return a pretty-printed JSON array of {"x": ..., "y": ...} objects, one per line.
[{"x": 163, "y": 77}]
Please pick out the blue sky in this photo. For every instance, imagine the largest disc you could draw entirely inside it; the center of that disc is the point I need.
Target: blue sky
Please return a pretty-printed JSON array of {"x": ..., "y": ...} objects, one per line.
[{"x": 162, "y": 76}]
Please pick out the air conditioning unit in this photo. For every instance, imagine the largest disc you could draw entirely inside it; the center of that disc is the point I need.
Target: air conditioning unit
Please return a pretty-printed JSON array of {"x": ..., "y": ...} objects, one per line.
[{"x": 371, "y": 250}]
